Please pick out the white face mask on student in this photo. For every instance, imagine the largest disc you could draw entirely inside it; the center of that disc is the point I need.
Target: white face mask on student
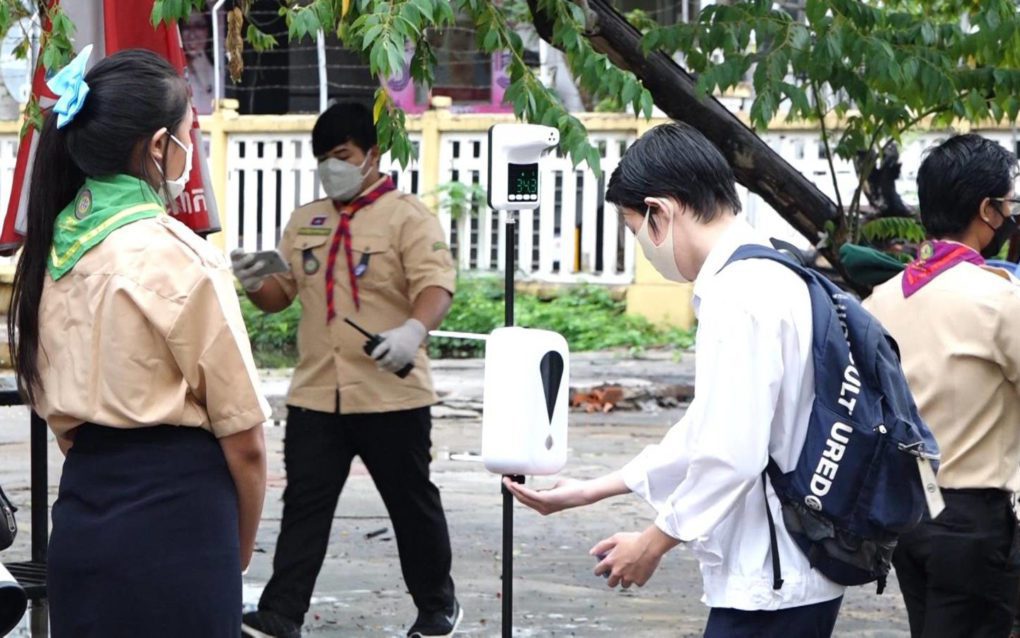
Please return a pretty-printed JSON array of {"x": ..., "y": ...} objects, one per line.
[
  {"x": 175, "y": 187},
  {"x": 342, "y": 180},
  {"x": 661, "y": 257}
]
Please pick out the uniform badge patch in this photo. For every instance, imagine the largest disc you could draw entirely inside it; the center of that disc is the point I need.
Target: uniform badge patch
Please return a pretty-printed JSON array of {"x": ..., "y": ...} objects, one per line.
[
  {"x": 313, "y": 231},
  {"x": 310, "y": 263},
  {"x": 318, "y": 221},
  {"x": 84, "y": 205}
]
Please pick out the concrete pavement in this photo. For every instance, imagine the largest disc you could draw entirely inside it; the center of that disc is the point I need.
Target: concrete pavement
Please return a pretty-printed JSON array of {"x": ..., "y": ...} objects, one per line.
[{"x": 360, "y": 591}]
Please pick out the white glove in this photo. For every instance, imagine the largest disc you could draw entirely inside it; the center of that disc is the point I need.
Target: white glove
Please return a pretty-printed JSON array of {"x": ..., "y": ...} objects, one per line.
[
  {"x": 246, "y": 268},
  {"x": 399, "y": 346}
]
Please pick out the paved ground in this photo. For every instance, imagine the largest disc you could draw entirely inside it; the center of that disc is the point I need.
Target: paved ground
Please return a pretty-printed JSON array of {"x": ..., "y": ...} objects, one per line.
[{"x": 360, "y": 591}]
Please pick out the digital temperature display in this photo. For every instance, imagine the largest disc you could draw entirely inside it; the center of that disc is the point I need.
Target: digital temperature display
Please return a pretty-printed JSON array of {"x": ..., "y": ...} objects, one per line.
[{"x": 522, "y": 183}]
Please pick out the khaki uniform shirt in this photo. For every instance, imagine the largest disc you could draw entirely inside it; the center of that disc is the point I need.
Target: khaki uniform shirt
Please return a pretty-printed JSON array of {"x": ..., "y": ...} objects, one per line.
[
  {"x": 960, "y": 345},
  {"x": 403, "y": 248},
  {"x": 146, "y": 330}
]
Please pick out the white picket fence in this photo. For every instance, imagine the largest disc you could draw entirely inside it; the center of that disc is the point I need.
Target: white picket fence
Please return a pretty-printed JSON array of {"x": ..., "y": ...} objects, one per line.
[
  {"x": 8, "y": 158},
  {"x": 574, "y": 236},
  {"x": 567, "y": 238},
  {"x": 268, "y": 176}
]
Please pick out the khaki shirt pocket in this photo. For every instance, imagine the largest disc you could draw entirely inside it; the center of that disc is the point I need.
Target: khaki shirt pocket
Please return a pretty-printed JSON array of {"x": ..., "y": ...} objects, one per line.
[
  {"x": 308, "y": 257},
  {"x": 376, "y": 264}
]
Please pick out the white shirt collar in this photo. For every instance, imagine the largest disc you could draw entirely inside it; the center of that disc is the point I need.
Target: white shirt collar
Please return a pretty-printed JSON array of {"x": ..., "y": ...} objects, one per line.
[{"x": 738, "y": 234}]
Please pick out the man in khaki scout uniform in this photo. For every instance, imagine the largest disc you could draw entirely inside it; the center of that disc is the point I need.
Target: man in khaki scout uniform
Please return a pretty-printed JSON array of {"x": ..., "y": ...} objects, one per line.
[{"x": 377, "y": 256}]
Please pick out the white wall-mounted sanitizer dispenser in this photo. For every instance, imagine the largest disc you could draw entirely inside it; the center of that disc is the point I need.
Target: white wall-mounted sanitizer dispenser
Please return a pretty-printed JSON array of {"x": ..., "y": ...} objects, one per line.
[{"x": 524, "y": 415}]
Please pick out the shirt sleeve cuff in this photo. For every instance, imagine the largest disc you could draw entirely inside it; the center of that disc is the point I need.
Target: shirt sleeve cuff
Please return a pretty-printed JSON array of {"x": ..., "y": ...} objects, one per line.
[
  {"x": 666, "y": 522},
  {"x": 447, "y": 282},
  {"x": 242, "y": 421},
  {"x": 635, "y": 477}
]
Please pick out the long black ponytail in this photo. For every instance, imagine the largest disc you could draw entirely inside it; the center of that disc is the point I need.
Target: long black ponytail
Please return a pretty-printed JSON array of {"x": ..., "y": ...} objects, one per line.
[{"x": 132, "y": 94}]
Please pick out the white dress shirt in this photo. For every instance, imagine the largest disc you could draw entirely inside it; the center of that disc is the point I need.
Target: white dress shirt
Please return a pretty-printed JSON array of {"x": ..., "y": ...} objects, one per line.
[{"x": 753, "y": 393}]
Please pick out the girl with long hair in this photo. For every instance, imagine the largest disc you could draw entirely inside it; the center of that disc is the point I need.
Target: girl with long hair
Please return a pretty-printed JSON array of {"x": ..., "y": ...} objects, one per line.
[{"x": 128, "y": 339}]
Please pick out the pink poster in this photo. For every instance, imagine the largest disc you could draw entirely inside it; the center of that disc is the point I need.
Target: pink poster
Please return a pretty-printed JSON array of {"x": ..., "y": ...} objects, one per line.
[
  {"x": 500, "y": 79},
  {"x": 401, "y": 86}
]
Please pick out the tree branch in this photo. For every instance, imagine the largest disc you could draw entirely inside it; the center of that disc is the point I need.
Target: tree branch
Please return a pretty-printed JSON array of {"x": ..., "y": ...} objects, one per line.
[
  {"x": 754, "y": 163},
  {"x": 828, "y": 148}
]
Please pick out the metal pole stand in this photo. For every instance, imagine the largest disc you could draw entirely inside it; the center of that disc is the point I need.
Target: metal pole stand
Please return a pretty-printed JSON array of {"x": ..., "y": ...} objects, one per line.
[
  {"x": 508, "y": 556},
  {"x": 508, "y": 499}
]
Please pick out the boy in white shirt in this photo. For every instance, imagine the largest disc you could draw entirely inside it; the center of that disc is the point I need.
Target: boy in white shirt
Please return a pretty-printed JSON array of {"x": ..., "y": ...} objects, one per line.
[{"x": 754, "y": 390}]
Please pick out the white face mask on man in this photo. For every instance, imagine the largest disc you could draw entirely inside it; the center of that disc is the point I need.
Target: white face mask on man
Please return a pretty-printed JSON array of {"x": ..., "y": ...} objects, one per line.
[
  {"x": 661, "y": 257},
  {"x": 175, "y": 187},
  {"x": 342, "y": 180}
]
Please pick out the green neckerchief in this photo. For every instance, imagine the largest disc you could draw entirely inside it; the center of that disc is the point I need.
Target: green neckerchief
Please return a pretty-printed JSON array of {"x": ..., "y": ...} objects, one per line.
[{"x": 102, "y": 206}]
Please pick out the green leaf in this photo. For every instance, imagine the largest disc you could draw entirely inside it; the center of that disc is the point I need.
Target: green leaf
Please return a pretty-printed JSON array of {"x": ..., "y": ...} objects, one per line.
[
  {"x": 834, "y": 44},
  {"x": 977, "y": 105},
  {"x": 490, "y": 41},
  {"x": 800, "y": 38},
  {"x": 763, "y": 109},
  {"x": 425, "y": 7},
  {"x": 52, "y": 58},
  {"x": 394, "y": 58},
  {"x": 377, "y": 58},
  {"x": 647, "y": 104},
  {"x": 157, "y": 13},
  {"x": 697, "y": 61},
  {"x": 893, "y": 228},
  {"x": 370, "y": 35},
  {"x": 594, "y": 160},
  {"x": 259, "y": 40},
  {"x": 631, "y": 91}
]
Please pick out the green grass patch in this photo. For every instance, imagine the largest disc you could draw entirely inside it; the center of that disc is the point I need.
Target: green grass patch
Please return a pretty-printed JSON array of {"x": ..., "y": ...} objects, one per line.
[{"x": 586, "y": 315}]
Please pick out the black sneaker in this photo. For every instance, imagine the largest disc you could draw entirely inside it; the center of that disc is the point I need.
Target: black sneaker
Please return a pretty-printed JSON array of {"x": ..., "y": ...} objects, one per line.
[
  {"x": 437, "y": 624},
  {"x": 269, "y": 624}
]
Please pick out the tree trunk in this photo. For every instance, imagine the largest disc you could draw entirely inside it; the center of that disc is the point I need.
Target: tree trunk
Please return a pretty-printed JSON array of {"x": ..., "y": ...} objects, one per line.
[{"x": 674, "y": 90}]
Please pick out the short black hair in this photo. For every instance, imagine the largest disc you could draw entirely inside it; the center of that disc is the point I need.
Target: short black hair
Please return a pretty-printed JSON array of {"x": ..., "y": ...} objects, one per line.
[
  {"x": 956, "y": 176},
  {"x": 341, "y": 123},
  {"x": 674, "y": 160}
]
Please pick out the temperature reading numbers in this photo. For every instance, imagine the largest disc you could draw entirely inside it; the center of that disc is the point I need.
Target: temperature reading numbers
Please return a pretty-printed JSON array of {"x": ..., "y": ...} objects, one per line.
[{"x": 523, "y": 182}]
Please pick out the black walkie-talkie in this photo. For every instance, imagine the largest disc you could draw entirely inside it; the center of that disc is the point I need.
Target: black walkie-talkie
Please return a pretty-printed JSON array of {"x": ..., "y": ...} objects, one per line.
[{"x": 373, "y": 341}]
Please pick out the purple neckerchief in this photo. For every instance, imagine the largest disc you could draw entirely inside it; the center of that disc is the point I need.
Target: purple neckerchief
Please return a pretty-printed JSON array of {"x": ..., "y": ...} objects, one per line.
[{"x": 933, "y": 259}]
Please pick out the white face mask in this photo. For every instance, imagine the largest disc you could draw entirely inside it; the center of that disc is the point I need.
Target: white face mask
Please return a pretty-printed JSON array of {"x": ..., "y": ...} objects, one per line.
[
  {"x": 175, "y": 187},
  {"x": 661, "y": 256},
  {"x": 342, "y": 180}
]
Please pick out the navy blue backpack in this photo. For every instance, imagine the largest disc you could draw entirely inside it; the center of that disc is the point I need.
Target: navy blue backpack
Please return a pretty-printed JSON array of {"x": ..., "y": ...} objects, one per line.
[{"x": 856, "y": 486}]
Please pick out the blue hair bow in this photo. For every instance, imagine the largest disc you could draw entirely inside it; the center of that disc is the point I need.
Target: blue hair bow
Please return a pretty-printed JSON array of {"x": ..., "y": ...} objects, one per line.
[{"x": 70, "y": 87}]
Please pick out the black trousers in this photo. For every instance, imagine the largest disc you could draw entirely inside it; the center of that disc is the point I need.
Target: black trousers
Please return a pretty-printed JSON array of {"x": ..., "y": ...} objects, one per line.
[
  {"x": 960, "y": 573},
  {"x": 317, "y": 453},
  {"x": 809, "y": 621}
]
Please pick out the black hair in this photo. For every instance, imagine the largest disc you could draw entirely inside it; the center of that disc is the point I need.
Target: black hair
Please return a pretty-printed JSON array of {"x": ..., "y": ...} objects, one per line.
[
  {"x": 341, "y": 123},
  {"x": 956, "y": 176},
  {"x": 132, "y": 95},
  {"x": 674, "y": 160}
]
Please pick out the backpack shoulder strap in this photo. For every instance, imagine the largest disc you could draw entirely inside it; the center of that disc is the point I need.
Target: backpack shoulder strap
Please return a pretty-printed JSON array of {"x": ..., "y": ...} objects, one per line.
[
  {"x": 777, "y": 570},
  {"x": 757, "y": 251}
]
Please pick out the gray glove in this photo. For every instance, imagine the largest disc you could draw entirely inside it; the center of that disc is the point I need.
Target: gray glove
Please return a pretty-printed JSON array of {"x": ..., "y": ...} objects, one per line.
[
  {"x": 246, "y": 268},
  {"x": 399, "y": 346}
]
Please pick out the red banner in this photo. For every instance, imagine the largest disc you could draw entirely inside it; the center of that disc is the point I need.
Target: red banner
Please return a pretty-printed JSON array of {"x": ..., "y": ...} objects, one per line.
[{"x": 124, "y": 25}]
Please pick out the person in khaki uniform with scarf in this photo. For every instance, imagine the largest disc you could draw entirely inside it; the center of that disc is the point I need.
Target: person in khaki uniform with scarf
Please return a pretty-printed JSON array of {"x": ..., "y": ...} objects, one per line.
[
  {"x": 954, "y": 318},
  {"x": 377, "y": 256},
  {"x": 130, "y": 343}
]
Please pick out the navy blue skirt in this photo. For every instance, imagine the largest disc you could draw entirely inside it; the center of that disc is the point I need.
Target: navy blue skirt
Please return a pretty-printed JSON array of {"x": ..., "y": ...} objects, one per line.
[{"x": 145, "y": 537}]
